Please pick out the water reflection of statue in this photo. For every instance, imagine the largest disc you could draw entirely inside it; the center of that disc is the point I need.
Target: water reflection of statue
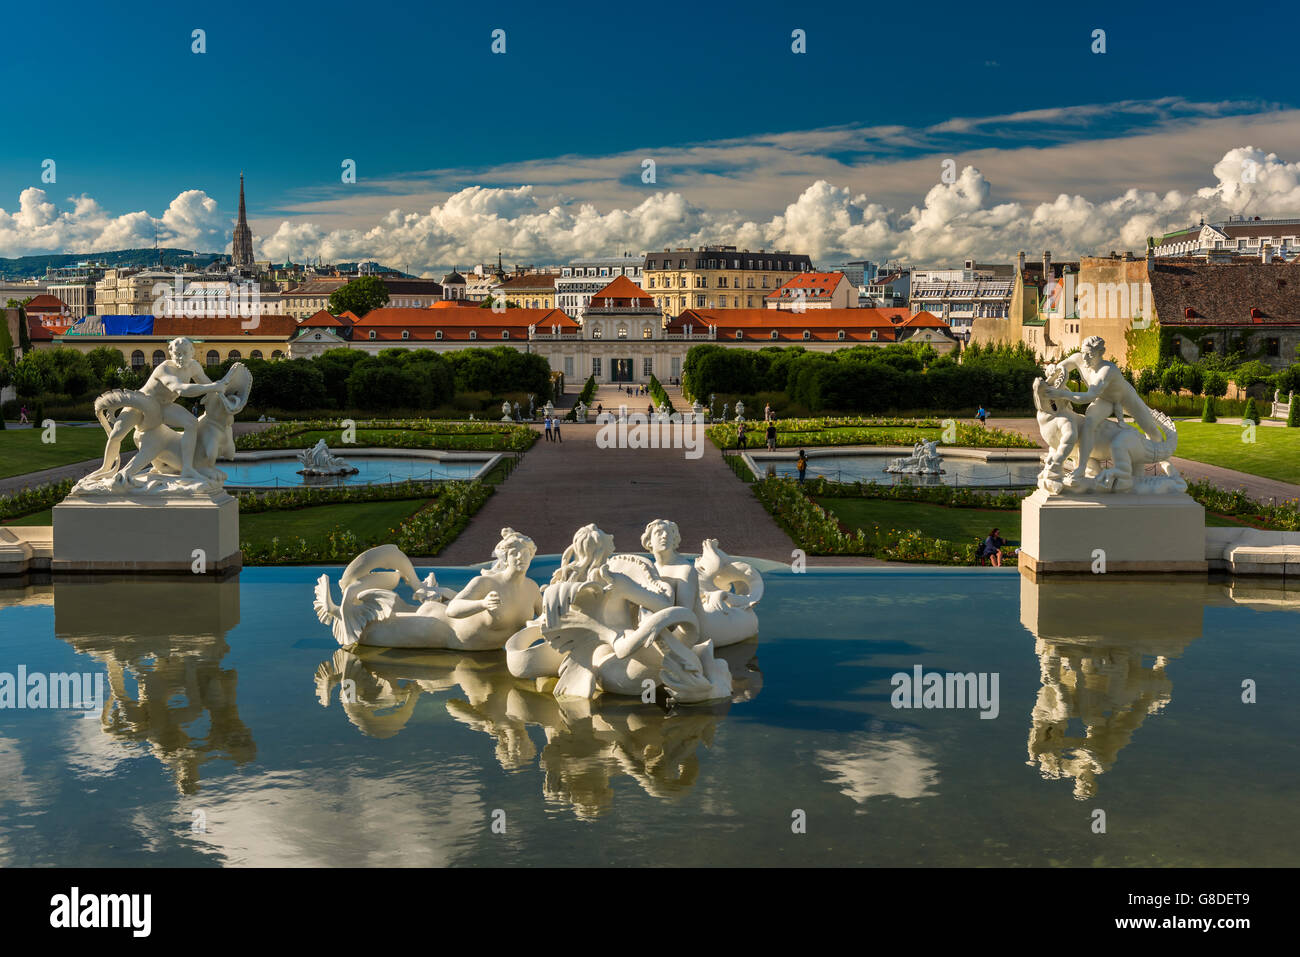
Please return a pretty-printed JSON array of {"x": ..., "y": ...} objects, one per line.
[
  {"x": 493, "y": 606},
  {"x": 162, "y": 643},
  {"x": 1103, "y": 655},
  {"x": 611, "y": 624},
  {"x": 588, "y": 744}
]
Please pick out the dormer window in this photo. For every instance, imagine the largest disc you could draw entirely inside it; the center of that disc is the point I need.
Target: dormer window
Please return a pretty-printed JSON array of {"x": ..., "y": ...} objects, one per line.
[
  {"x": 473, "y": 333},
  {"x": 739, "y": 334},
  {"x": 773, "y": 333},
  {"x": 372, "y": 334},
  {"x": 406, "y": 334},
  {"x": 505, "y": 333},
  {"x": 840, "y": 334},
  {"x": 806, "y": 335},
  {"x": 874, "y": 335},
  {"x": 438, "y": 334}
]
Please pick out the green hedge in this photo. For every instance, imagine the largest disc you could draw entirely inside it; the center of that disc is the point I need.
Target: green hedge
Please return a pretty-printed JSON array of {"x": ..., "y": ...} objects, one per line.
[
  {"x": 398, "y": 434},
  {"x": 657, "y": 393},
  {"x": 796, "y": 433}
]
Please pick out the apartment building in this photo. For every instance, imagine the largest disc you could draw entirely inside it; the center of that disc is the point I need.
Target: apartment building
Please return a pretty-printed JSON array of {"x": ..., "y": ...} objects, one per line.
[{"x": 718, "y": 277}]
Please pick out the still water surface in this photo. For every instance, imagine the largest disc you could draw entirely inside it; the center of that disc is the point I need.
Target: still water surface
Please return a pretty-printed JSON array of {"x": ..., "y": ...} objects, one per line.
[
  {"x": 870, "y": 467},
  {"x": 371, "y": 470},
  {"x": 226, "y": 739}
]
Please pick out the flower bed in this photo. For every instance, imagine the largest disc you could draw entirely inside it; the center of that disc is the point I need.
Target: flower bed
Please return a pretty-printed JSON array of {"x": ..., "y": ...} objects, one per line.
[{"x": 800, "y": 433}]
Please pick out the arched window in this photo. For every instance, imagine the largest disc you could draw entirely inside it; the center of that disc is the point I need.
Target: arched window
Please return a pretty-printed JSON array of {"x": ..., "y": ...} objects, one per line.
[
  {"x": 505, "y": 333},
  {"x": 840, "y": 334},
  {"x": 137, "y": 359},
  {"x": 212, "y": 358},
  {"x": 874, "y": 335},
  {"x": 739, "y": 334},
  {"x": 438, "y": 334},
  {"x": 277, "y": 354},
  {"x": 406, "y": 333},
  {"x": 372, "y": 333},
  {"x": 773, "y": 333},
  {"x": 234, "y": 354},
  {"x": 473, "y": 333},
  {"x": 159, "y": 357},
  {"x": 255, "y": 354},
  {"x": 807, "y": 335}
]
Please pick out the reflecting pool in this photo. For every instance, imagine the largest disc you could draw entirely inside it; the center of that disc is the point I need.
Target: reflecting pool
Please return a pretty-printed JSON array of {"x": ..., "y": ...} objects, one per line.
[
  {"x": 234, "y": 730},
  {"x": 371, "y": 470},
  {"x": 870, "y": 467}
]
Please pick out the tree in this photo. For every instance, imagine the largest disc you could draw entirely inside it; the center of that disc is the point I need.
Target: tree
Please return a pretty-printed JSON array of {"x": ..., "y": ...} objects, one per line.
[
  {"x": 359, "y": 296},
  {"x": 1214, "y": 384},
  {"x": 1252, "y": 412},
  {"x": 1293, "y": 415},
  {"x": 1207, "y": 413}
]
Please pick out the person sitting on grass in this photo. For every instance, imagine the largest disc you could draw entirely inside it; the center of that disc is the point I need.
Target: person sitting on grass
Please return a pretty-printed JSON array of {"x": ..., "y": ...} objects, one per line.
[{"x": 992, "y": 548}]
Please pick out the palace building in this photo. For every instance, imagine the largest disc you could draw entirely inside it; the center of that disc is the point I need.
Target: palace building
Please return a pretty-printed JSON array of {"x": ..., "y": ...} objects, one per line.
[{"x": 718, "y": 277}]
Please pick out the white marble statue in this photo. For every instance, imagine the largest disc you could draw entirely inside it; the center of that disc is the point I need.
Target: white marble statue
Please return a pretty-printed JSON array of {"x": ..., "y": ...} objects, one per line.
[
  {"x": 740, "y": 411},
  {"x": 319, "y": 460},
  {"x": 1080, "y": 444},
  {"x": 580, "y": 411},
  {"x": 924, "y": 460},
  {"x": 505, "y": 412},
  {"x": 176, "y": 461},
  {"x": 480, "y": 617}
]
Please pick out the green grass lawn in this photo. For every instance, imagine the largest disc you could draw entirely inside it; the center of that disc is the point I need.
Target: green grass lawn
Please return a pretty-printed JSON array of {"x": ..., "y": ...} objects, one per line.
[
  {"x": 940, "y": 521},
  {"x": 937, "y": 521},
  {"x": 22, "y": 451},
  {"x": 369, "y": 521},
  {"x": 1274, "y": 454}
]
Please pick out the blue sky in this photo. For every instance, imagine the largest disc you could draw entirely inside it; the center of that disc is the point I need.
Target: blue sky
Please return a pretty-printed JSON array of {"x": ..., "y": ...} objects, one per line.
[{"x": 413, "y": 94}]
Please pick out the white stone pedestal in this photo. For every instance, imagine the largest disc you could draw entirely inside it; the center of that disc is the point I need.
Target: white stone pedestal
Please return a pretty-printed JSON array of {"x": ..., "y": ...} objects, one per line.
[
  {"x": 1136, "y": 533},
  {"x": 147, "y": 533}
]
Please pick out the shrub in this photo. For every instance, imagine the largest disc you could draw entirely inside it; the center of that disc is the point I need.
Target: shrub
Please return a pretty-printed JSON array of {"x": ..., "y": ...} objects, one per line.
[
  {"x": 1207, "y": 413},
  {"x": 1293, "y": 415},
  {"x": 1252, "y": 412}
]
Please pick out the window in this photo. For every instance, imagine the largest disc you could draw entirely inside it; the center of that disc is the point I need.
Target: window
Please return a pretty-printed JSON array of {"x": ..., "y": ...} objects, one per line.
[
  {"x": 646, "y": 332},
  {"x": 739, "y": 334},
  {"x": 597, "y": 332},
  {"x": 255, "y": 354},
  {"x": 840, "y": 334},
  {"x": 807, "y": 335},
  {"x": 652, "y": 282},
  {"x": 505, "y": 333},
  {"x": 437, "y": 334},
  {"x": 158, "y": 357},
  {"x": 622, "y": 331},
  {"x": 234, "y": 354},
  {"x": 1207, "y": 346},
  {"x": 137, "y": 359},
  {"x": 774, "y": 334},
  {"x": 277, "y": 354},
  {"x": 722, "y": 282},
  {"x": 749, "y": 302},
  {"x": 595, "y": 367},
  {"x": 749, "y": 282},
  {"x": 211, "y": 358},
  {"x": 874, "y": 335},
  {"x": 568, "y": 366},
  {"x": 648, "y": 366},
  {"x": 1272, "y": 347},
  {"x": 473, "y": 333},
  {"x": 699, "y": 302},
  {"x": 406, "y": 333}
]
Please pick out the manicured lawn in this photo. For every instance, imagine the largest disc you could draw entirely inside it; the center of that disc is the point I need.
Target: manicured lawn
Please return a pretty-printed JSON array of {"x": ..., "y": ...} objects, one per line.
[
  {"x": 367, "y": 520},
  {"x": 22, "y": 451},
  {"x": 45, "y": 517},
  {"x": 936, "y": 521},
  {"x": 1274, "y": 454}
]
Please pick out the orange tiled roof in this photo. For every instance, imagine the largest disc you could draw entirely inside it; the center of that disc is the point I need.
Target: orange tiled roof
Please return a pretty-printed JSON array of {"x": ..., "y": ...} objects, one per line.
[
  {"x": 203, "y": 327},
  {"x": 822, "y": 325},
  {"x": 817, "y": 285},
  {"x": 466, "y": 317},
  {"x": 46, "y": 303},
  {"x": 622, "y": 288},
  {"x": 324, "y": 317}
]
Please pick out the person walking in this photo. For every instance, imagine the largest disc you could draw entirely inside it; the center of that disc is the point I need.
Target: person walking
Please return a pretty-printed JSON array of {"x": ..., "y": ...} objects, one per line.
[
  {"x": 801, "y": 463},
  {"x": 992, "y": 548},
  {"x": 22, "y": 416},
  {"x": 982, "y": 415}
]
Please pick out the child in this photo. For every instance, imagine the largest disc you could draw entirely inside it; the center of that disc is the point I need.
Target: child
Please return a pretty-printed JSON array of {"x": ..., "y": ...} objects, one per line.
[{"x": 801, "y": 463}]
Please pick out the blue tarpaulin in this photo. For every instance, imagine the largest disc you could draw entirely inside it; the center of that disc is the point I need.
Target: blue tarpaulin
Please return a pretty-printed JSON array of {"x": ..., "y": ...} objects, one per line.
[{"x": 128, "y": 325}]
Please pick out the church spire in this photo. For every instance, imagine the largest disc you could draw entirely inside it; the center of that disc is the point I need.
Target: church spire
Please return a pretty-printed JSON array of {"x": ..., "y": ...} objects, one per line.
[{"x": 241, "y": 248}]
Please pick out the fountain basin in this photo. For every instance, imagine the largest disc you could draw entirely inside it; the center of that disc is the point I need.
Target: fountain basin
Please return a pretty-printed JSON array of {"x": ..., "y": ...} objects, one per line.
[{"x": 279, "y": 468}]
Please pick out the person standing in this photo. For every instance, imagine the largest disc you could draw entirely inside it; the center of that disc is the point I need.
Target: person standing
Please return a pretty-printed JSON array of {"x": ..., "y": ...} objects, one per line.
[
  {"x": 801, "y": 463},
  {"x": 771, "y": 435},
  {"x": 555, "y": 430},
  {"x": 547, "y": 421},
  {"x": 22, "y": 416},
  {"x": 740, "y": 436}
]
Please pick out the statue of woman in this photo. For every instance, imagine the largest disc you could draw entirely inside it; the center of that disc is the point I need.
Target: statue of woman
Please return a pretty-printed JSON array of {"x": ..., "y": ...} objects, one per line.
[
  {"x": 481, "y": 616},
  {"x": 610, "y": 624}
]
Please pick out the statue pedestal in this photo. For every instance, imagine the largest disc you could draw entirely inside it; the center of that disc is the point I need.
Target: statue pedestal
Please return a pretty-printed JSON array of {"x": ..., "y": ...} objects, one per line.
[
  {"x": 1136, "y": 533},
  {"x": 147, "y": 533}
]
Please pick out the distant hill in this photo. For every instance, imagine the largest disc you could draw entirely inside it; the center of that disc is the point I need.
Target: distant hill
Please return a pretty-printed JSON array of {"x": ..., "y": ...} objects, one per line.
[{"x": 33, "y": 267}]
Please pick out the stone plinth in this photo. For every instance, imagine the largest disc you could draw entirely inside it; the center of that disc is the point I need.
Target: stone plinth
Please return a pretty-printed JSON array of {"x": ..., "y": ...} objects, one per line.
[
  {"x": 147, "y": 533},
  {"x": 1136, "y": 533}
]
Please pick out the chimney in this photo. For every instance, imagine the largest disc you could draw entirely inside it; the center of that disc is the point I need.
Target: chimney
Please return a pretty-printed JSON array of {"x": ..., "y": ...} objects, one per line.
[
  {"x": 1151, "y": 257},
  {"x": 1020, "y": 261},
  {"x": 1266, "y": 252},
  {"x": 1047, "y": 264}
]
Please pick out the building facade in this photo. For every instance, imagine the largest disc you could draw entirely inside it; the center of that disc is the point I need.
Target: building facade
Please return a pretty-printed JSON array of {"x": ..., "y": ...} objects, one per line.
[
  {"x": 1239, "y": 235},
  {"x": 718, "y": 277},
  {"x": 583, "y": 278},
  {"x": 814, "y": 290}
]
